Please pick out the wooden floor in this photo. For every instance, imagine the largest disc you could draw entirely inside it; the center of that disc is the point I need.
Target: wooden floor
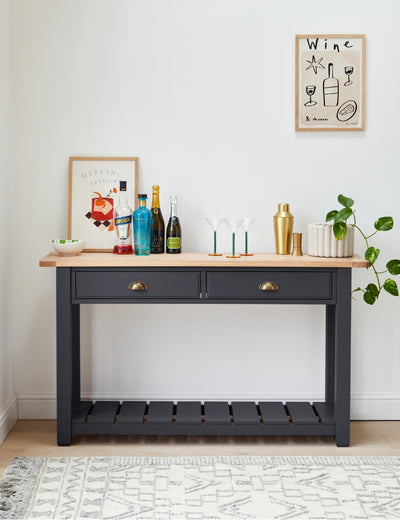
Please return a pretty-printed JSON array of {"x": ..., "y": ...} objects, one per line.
[{"x": 38, "y": 438}]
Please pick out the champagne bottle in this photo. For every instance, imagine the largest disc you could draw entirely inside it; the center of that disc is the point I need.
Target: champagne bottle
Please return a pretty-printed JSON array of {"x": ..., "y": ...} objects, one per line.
[
  {"x": 157, "y": 223},
  {"x": 330, "y": 89},
  {"x": 123, "y": 223},
  {"x": 141, "y": 227},
  {"x": 174, "y": 233}
]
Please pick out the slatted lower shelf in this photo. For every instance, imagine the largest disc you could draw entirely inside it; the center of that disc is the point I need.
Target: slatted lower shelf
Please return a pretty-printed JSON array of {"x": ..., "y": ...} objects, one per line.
[{"x": 208, "y": 418}]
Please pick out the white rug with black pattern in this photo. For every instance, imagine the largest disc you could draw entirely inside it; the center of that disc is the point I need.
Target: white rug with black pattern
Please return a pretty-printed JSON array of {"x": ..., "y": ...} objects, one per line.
[{"x": 201, "y": 488}]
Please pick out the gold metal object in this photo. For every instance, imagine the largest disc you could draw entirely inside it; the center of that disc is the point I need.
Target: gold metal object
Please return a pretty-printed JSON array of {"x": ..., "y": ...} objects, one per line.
[
  {"x": 268, "y": 286},
  {"x": 138, "y": 286},
  {"x": 214, "y": 254},
  {"x": 246, "y": 254},
  {"x": 297, "y": 244},
  {"x": 232, "y": 256},
  {"x": 283, "y": 227}
]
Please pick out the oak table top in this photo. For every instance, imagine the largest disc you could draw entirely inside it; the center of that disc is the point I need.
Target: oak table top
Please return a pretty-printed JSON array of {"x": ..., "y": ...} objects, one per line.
[{"x": 196, "y": 259}]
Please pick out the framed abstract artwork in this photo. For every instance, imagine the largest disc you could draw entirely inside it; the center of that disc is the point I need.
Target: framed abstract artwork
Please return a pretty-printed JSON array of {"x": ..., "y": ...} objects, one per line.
[
  {"x": 330, "y": 82},
  {"x": 93, "y": 195}
]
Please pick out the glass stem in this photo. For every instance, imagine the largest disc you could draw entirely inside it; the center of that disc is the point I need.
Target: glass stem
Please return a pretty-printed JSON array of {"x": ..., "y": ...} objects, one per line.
[
  {"x": 245, "y": 242},
  {"x": 215, "y": 242},
  {"x": 233, "y": 244}
]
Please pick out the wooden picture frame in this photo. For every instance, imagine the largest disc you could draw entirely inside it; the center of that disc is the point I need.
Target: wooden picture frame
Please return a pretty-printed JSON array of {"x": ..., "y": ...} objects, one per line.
[
  {"x": 93, "y": 195},
  {"x": 330, "y": 82}
]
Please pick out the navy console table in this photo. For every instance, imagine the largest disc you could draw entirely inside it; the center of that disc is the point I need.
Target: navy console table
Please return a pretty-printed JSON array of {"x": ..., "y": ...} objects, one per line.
[{"x": 196, "y": 278}]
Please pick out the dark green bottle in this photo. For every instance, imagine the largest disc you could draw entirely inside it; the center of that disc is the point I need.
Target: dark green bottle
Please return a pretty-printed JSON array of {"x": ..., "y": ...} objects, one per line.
[
  {"x": 174, "y": 233},
  {"x": 157, "y": 223}
]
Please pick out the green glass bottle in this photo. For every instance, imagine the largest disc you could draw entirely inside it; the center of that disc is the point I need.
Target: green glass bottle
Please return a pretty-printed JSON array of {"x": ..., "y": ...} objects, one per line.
[{"x": 174, "y": 232}]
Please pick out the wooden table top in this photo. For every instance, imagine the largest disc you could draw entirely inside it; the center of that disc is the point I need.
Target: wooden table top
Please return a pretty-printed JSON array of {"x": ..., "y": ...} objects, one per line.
[{"x": 197, "y": 260}]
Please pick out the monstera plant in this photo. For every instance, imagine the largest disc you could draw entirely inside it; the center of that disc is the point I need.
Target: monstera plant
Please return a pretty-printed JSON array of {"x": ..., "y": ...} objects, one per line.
[{"x": 340, "y": 219}]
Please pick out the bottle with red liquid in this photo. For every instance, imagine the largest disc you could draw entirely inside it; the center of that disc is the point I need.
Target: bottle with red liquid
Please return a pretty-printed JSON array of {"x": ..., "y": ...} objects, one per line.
[{"x": 123, "y": 223}]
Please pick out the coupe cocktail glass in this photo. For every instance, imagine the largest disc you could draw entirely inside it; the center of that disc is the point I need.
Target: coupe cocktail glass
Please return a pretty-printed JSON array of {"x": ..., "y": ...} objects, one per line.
[
  {"x": 247, "y": 223},
  {"x": 214, "y": 223},
  {"x": 233, "y": 224}
]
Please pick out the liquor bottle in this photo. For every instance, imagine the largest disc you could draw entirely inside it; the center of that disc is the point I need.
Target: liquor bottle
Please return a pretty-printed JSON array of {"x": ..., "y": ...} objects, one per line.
[
  {"x": 141, "y": 227},
  {"x": 123, "y": 223},
  {"x": 330, "y": 89},
  {"x": 174, "y": 233},
  {"x": 157, "y": 223}
]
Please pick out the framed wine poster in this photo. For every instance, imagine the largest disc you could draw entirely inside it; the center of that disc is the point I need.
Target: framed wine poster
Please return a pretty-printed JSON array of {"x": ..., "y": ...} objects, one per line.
[
  {"x": 93, "y": 195},
  {"x": 330, "y": 82}
]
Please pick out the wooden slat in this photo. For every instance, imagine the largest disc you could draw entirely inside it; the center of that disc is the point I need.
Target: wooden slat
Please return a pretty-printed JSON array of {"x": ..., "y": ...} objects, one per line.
[
  {"x": 188, "y": 412},
  {"x": 217, "y": 412},
  {"x": 132, "y": 412},
  {"x": 103, "y": 412},
  {"x": 325, "y": 412},
  {"x": 245, "y": 413},
  {"x": 302, "y": 413},
  {"x": 273, "y": 413},
  {"x": 160, "y": 412},
  {"x": 81, "y": 412}
]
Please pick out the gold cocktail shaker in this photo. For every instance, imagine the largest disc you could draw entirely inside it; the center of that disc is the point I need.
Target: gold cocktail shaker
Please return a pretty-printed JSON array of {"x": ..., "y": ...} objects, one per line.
[{"x": 283, "y": 227}]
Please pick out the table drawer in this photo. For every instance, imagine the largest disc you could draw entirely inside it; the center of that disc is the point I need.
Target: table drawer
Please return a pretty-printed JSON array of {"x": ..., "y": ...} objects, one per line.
[
  {"x": 285, "y": 285},
  {"x": 120, "y": 284}
]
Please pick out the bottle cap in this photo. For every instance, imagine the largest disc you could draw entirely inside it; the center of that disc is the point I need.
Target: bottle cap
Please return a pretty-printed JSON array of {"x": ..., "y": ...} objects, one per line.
[
  {"x": 142, "y": 196},
  {"x": 156, "y": 187},
  {"x": 122, "y": 185},
  {"x": 283, "y": 206}
]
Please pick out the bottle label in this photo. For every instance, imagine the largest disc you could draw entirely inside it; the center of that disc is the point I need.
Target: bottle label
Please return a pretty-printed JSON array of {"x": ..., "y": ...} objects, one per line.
[
  {"x": 122, "y": 225},
  {"x": 157, "y": 242},
  {"x": 174, "y": 242},
  {"x": 119, "y": 221}
]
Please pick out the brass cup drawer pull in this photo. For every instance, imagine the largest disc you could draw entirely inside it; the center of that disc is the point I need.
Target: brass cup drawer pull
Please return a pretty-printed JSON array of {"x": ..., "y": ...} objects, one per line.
[
  {"x": 138, "y": 286},
  {"x": 268, "y": 286}
]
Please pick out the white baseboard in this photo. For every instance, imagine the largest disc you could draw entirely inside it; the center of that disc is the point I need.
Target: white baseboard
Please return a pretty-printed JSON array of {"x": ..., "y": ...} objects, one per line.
[
  {"x": 364, "y": 407},
  {"x": 8, "y": 417},
  {"x": 375, "y": 407}
]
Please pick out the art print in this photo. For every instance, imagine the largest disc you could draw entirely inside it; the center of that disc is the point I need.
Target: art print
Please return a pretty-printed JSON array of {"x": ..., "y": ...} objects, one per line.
[
  {"x": 93, "y": 196},
  {"x": 330, "y": 86}
]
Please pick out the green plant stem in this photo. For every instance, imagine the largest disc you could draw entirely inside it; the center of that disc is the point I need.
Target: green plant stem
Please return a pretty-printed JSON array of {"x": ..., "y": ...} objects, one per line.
[{"x": 366, "y": 241}]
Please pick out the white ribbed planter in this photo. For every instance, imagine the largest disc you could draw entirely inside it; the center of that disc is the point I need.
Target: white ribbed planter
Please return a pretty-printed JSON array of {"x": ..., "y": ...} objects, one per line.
[{"x": 322, "y": 241}]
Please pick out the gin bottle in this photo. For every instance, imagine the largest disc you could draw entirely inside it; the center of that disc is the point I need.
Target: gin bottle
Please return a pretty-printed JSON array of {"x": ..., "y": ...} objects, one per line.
[
  {"x": 123, "y": 223},
  {"x": 142, "y": 227}
]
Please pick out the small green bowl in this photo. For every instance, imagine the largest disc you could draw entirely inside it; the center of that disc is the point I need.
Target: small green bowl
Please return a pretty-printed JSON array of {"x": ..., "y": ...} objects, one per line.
[{"x": 68, "y": 247}]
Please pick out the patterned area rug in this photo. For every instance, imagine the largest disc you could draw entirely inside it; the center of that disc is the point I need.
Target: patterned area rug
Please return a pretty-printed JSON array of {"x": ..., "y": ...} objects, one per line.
[{"x": 202, "y": 488}]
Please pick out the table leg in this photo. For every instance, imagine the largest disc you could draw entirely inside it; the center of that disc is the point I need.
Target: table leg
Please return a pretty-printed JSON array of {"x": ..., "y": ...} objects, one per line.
[
  {"x": 68, "y": 357},
  {"x": 330, "y": 355},
  {"x": 342, "y": 356}
]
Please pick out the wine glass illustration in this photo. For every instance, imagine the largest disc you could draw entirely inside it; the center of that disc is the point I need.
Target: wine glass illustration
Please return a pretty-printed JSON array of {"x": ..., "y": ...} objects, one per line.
[
  {"x": 348, "y": 71},
  {"x": 233, "y": 224},
  {"x": 247, "y": 223},
  {"x": 214, "y": 223},
  {"x": 310, "y": 91}
]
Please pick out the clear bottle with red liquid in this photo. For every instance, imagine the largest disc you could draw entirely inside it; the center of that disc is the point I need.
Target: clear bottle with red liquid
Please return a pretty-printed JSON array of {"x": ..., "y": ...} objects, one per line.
[{"x": 123, "y": 224}]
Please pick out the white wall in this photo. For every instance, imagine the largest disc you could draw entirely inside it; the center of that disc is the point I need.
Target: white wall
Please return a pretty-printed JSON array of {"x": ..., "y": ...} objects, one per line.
[
  {"x": 203, "y": 93},
  {"x": 8, "y": 407}
]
